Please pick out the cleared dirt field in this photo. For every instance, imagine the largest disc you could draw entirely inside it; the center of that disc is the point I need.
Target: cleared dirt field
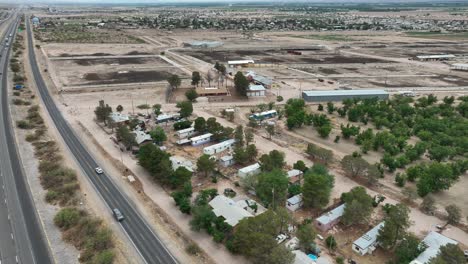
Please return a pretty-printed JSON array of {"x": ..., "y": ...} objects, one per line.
[
  {"x": 277, "y": 56},
  {"x": 125, "y": 77}
]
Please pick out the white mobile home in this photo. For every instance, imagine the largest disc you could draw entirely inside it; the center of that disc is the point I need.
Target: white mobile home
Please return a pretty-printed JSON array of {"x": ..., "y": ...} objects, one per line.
[
  {"x": 249, "y": 170},
  {"x": 186, "y": 132},
  {"x": 198, "y": 140},
  {"x": 220, "y": 147},
  {"x": 294, "y": 203},
  {"x": 433, "y": 241},
  {"x": 368, "y": 242}
]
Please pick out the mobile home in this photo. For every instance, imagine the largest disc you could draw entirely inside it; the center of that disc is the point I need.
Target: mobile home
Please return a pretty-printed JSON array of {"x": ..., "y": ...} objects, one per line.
[{"x": 220, "y": 147}]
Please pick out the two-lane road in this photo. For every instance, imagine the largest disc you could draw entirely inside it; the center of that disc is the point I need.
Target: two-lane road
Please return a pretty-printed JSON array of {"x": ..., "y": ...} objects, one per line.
[
  {"x": 22, "y": 239},
  {"x": 135, "y": 226}
]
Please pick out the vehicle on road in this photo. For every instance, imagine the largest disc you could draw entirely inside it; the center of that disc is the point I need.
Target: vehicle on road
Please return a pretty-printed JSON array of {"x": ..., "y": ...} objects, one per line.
[
  {"x": 118, "y": 215},
  {"x": 99, "y": 170}
]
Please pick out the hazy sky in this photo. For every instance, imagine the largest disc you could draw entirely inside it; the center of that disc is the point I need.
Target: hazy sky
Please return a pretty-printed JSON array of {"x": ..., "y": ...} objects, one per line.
[{"x": 227, "y": 1}]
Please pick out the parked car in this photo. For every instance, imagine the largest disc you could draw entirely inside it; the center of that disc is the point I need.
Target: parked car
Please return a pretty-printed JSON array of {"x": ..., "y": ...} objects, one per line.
[
  {"x": 99, "y": 170},
  {"x": 118, "y": 215},
  {"x": 280, "y": 238}
]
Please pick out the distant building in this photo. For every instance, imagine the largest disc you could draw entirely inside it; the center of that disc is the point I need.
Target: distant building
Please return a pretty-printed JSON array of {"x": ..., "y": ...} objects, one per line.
[
  {"x": 198, "y": 140},
  {"x": 162, "y": 118},
  {"x": 256, "y": 91},
  {"x": 439, "y": 57},
  {"x": 433, "y": 241},
  {"x": 328, "y": 220},
  {"x": 203, "y": 44},
  {"x": 220, "y": 147},
  {"x": 226, "y": 161},
  {"x": 142, "y": 137},
  {"x": 211, "y": 91},
  {"x": 368, "y": 242},
  {"x": 119, "y": 118},
  {"x": 36, "y": 22},
  {"x": 294, "y": 203},
  {"x": 249, "y": 170},
  {"x": 240, "y": 63},
  {"x": 459, "y": 67},
  {"x": 184, "y": 133},
  {"x": 228, "y": 209},
  {"x": 178, "y": 161},
  {"x": 258, "y": 79},
  {"x": 340, "y": 95}
]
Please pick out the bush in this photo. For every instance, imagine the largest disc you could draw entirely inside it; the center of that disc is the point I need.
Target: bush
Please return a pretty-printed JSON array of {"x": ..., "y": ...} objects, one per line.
[
  {"x": 104, "y": 257},
  {"x": 400, "y": 180},
  {"x": 339, "y": 260},
  {"x": 23, "y": 124},
  {"x": 67, "y": 218},
  {"x": 192, "y": 249},
  {"x": 18, "y": 101},
  {"x": 144, "y": 106},
  {"x": 16, "y": 93},
  {"x": 279, "y": 98}
]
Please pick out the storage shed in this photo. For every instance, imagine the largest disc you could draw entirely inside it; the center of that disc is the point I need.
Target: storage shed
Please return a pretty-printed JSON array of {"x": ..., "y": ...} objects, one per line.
[
  {"x": 294, "y": 203},
  {"x": 226, "y": 161},
  {"x": 340, "y": 95},
  {"x": 256, "y": 91}
]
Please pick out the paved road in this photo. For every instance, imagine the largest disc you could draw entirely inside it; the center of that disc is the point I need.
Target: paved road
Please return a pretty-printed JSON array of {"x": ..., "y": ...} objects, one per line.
[
  {"x": 21, "y": 235},
  {"x": 142, "y": 236}
]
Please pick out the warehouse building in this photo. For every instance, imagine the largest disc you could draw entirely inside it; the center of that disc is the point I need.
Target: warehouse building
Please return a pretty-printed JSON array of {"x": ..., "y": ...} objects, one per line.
[
  {"x": 340, "y": 95},
  {"x": 459, "y": 67}
]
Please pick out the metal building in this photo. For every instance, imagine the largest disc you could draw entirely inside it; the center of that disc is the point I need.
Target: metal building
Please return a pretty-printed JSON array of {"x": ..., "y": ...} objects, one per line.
[{"x": 340, "y": 95}]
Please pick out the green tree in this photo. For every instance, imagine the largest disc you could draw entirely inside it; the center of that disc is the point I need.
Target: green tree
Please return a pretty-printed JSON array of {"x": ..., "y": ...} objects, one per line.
[
  {"x": 206, "y": 164},
  {"x": 200, "y": 124},
  {"x": 358, "y": 207},
  {"x": 119, "y": 108},
  {"x": 449, "y": 254},
  {"x": 158, "y": 135},
  {"x": 272, "y": 160},
  {"x": 331, "y": 243},
  {"x": 270, "y": 129},
  {"x": 396, "y": 223},
  {"x": 306, "y": 234},
  {"x": 453, "y": 214},
  {"x": 196, "y": 78},
  {"x": 174, "y": 81},
  {"x": 300, "y": 165},
  {"x": 349, "y": 130},
  {"x": 272, "y": 188},
  {"x": 249, "y": 135},
  {"x": 186, "y": 108},
  {"x": 428, "y": 204},
  {"x": 241, "y": 83},
  {"x": 321, "y": 154},
  {"x": 203, "y": 218},
  {"x": 102, "y": 112},
  {"x": 126, "y": 136},
  {"x": 251, "y": 151},
  {"x": 191, "y": 95},
  {"x": 157, "y": 109},
  {"x": 435, "y": 177},
  {"x": 354, "y": 166},
  {"x": 239, "y": 136},
  {"x": 408, "y": 249},
  {"x": 317, "y": 189},
  {"x": 156, "y": 162},
  {"x": 330, "y": 108},
  {"x": 179, "y": 177}
]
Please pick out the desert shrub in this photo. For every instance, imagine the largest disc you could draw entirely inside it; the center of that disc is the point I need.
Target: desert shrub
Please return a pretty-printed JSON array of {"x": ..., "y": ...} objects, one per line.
[{"x": 23, "y": 124}]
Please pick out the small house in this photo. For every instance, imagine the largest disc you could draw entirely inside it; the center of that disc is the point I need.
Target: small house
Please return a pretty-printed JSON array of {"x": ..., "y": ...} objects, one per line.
[
  {"x": 228, "y": 209},
  {"x": 367, "y": 243},
  {"x": 249, "y": 170},
  {"x": 294, "y": 203},
  {"x": 302, "y": 258},
  {"x": 220, "y": 147},
  {"x": 328, "y": 220},
  {"x": 177, "y": 161},
  {"x": 433, "y": 241},
  {"x": 199, "y": 140},
  {"x": 119, "y": 118},
  {"x": 295, "y": 176},
  {"x": 226, "y": 161},
  {"x": 184, "y": 133},
  {"x": 256, "y": 90},
  {"x": 142, "y": 137}
]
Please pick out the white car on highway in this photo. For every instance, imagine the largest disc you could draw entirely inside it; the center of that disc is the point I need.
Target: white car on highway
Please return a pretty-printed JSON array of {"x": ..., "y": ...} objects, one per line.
[{"x": 99, "y": 170}]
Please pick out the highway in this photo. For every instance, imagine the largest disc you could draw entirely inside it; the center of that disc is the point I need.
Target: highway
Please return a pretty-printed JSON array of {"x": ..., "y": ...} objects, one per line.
[
  {"x": 22, "y": 239},
  {"x": 134, "y": 226}
]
